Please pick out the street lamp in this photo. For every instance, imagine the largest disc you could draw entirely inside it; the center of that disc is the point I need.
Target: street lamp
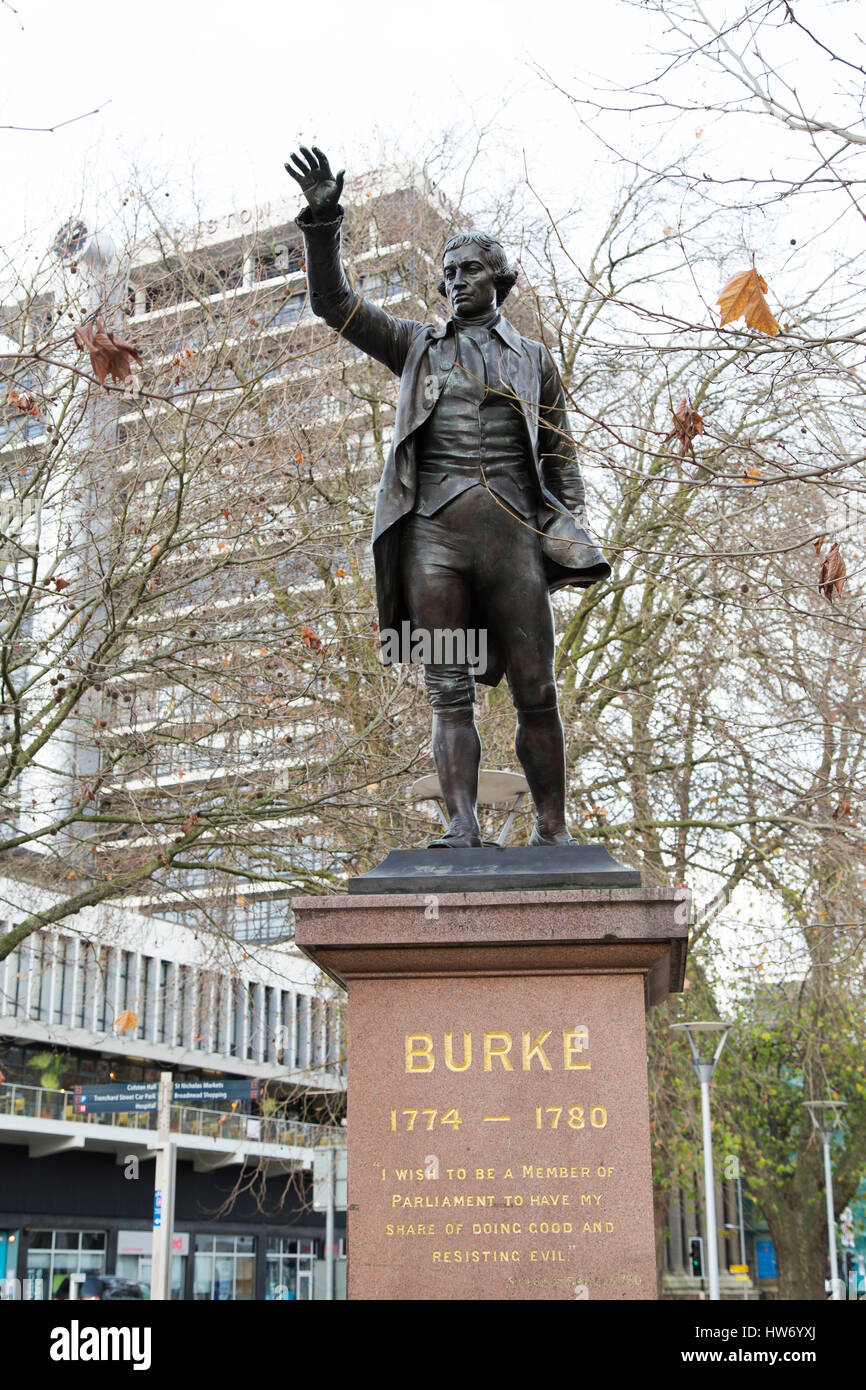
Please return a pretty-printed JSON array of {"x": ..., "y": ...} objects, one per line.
[
  {"x": 827, "y": 1118},
  {"x": 704, "y": 1068}
]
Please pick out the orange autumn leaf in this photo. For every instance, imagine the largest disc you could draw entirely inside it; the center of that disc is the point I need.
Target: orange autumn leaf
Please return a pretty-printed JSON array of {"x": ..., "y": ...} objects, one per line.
[
  {"x": 743, "y": 297},
  {"x": 109, "y": 355},
  {"x": 832, "y": 574},
  {"x": 340, "y": 573},
  {"x": 310, "y": 639},
  {"x": 126, "y": 1019}
]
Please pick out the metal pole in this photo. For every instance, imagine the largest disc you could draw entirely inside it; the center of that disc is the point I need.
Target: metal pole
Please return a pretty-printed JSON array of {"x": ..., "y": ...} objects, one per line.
[
  {"x": 705, "y": 1071},
  {"x": 329, "y": 1228},
  {"x": 704, "y": 1068},
  {"x": 743, "y": 1260},
  {"x": 163, "y": 1195},
  {"x": 835, "y": 1281}
]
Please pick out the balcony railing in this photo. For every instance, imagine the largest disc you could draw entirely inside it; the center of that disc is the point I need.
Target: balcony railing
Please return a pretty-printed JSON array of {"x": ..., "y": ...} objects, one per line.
[{"x": 37, "y": 1102}]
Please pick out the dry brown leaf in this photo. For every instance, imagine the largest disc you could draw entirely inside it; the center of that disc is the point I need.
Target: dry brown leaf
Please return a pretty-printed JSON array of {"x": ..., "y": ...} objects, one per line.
[
  {"x": 109, "y": 355},
  {"x": 743, "y": 297},
  {"x": 818, "y": 542},
  {"x": 842, "y": 810},
  {"x": 687, "y": 424},
  {"x": 25, "y": 400},
  {"x": 310, "y": 639},
  {"x": 832, "y": 574}
]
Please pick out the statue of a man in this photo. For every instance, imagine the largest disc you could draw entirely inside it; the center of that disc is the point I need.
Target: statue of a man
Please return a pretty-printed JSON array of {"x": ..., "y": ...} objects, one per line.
[{"x": 480, "y": 511}]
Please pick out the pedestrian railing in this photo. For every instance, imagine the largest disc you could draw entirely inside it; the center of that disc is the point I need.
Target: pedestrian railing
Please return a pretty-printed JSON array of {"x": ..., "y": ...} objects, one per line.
[{"x": 38, "y": 1102}]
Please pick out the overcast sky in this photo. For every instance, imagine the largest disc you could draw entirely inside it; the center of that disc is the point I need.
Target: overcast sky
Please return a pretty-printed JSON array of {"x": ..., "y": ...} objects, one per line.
[
  {"x": 222, "y": 92},
  {"x": 204, "y": 99}
]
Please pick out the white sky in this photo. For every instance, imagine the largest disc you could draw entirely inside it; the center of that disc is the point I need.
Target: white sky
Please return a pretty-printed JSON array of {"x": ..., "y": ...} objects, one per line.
[
  {"x": 222, "y": 92},
  {"x": 206, "y": 99}
]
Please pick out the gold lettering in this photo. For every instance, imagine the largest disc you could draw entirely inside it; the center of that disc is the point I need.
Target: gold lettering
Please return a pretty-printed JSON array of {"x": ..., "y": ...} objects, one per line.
[
  {"x": 535, "y": 1049},
  {"x": 419, "y": 1052},
  {"x": 574, "y": 1041},
  {"x": 449, "y": 1053},
  {"x": 501, "y": 1051}
]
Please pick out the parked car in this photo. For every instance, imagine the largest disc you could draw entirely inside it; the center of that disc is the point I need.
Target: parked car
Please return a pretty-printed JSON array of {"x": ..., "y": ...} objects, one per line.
[{"x": 103, "y": 1287}]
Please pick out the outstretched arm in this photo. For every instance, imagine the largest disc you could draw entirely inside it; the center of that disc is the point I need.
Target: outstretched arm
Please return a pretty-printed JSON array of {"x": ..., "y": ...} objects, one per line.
[{"x": 379, "y": 334}]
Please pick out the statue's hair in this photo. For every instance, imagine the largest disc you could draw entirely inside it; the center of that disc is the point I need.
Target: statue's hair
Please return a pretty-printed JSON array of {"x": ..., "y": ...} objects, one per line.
[{"x": 505, "y": 275}]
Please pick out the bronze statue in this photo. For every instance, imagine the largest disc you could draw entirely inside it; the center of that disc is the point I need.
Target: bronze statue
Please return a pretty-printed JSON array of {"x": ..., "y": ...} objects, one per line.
[{"x": 480, "y": 511}]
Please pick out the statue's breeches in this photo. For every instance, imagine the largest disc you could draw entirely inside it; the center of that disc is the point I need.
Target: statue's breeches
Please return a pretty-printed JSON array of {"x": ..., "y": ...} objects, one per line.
[{"x": 476, "y": 565}]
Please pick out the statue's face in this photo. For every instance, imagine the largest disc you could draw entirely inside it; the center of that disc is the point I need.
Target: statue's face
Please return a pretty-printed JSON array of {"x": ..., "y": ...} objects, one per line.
[{"x": 469, "y": 282}]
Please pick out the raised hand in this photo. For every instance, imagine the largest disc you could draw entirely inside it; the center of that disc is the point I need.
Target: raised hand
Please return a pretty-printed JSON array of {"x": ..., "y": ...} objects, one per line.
[{"x": 319, "y": 186}]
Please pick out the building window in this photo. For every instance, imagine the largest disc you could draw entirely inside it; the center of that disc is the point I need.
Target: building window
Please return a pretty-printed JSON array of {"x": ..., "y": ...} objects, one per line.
[
  {"x": 379, "y": 286},
  {"x": 53, "y": 1255},
  {"x": 147, "y": 998},
  {"x": 167, "y": 1001},
  {"x": 264, "y": 919},
  {"x": 303, "y": 1043},
  {"x": 134, "y": 1252},
  {"x": 289, "y": 311},
  {"x": 278, "y": 260},
  {"x": 137, "y": 1268},
  {"x": 289, "y": 1270},
  {"x": 224, "y": 1268}
]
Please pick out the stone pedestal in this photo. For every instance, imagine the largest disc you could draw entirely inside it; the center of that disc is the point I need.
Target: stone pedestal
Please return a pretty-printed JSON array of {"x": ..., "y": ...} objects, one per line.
[{"x": 499, "y": 1141}]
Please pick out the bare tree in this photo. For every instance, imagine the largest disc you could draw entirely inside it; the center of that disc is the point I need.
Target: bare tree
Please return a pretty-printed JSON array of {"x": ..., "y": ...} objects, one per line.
[
  {"x": 191, "y": 690},
  {"x": 716, "y": 683}
]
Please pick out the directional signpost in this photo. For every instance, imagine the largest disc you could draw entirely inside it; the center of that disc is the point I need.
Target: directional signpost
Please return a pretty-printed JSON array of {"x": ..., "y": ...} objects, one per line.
[
  {"x": 144, "y": 1095},
  {"x": 94, "y": 1100},
  {"x": 216, "y": 1090},
  {"x": 140, "y": 1096}
]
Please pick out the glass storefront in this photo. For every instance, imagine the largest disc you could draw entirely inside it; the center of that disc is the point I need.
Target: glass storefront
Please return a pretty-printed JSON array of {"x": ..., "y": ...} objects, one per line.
[
  {"x": 138, "y": 1269},
  {"x": 134, "y": 1250},
  {"x": 55, "y": 1254},
  {"x": 224, "y": 1268},
  {"x": 289, "y": 1269}
]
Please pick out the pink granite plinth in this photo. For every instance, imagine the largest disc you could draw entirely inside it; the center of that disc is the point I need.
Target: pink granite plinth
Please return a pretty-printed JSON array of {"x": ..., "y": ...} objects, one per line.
[{"x": 498, "y": 1116}]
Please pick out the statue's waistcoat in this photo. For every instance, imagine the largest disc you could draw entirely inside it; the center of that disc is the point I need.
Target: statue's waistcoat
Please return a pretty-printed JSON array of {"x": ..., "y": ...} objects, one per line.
[{"x": 476, "y": 434}]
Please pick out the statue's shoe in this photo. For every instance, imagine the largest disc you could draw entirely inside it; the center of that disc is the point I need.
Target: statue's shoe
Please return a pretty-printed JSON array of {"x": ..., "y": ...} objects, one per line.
[
  {"x": 457, "y": 837},
  {"x": 561, "y": 837}
]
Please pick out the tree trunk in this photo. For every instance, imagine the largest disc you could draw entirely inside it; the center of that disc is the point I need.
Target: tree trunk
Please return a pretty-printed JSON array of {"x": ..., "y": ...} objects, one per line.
[
  {"x": 800, "y": 1237},
  {"x": 661, "y": 1201}
]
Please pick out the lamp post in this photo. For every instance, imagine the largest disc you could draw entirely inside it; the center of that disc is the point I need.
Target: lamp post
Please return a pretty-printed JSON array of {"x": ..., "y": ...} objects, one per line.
[
  {"x": 827, "y": 1118},
  {"x": 704, "y": 1067}
]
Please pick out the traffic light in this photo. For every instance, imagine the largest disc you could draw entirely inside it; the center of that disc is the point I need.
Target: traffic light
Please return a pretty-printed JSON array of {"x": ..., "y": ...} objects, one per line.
[{"x": 696, "y": 1257}]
